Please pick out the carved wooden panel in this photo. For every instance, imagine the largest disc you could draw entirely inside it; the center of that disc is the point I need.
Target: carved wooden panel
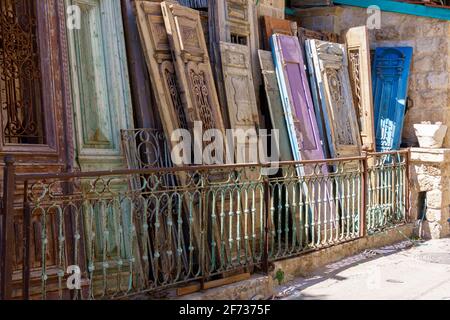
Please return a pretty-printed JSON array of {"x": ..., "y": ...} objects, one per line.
[
  {"x": 235, "y": 22},
  {"x": 274, "y": 25},
  {"x": 274, "y": 103},
  {"x": 161, "y": 68},
  {"x": 192, "y": 66},
  {"x": 329, "y": 61},
  {"x": 390, "y": 75},
  {"x": 305, "y": 34},
  {"x": 358, "y": 52},
  {"x": 101, "y": 94}
]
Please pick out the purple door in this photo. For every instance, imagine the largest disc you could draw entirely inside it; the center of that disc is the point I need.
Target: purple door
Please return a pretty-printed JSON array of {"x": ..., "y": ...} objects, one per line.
[{"x": 299, "y": 94}]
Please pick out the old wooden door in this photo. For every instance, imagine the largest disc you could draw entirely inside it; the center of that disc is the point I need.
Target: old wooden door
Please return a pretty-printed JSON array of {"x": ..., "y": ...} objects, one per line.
[
  {"x": 102, "y": 106},
  {"x": 161, "y": 68},
  {"x": 274, "y": 25},
  {"x": 275, "y": 104},
  {"x": 390, "y": 87},
  {"x": 329, "y": 61},
  {"x": 358, "y": 52},
  {"x": 297, "y": 101},
  {"x": 35, "y": 127},
  {"x": 192, "y": 66},
  {"x": 234, "y": 21}
]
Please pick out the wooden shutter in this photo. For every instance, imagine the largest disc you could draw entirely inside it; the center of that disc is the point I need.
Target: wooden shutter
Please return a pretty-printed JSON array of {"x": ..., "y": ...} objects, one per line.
[
  {"x": 192, "y": 66},
  {"x": 275, "y": 105},
  {"x": 329, "y": 62},
  {"x": 390, "y": 87},
  {"x": 358, "y": 52}
]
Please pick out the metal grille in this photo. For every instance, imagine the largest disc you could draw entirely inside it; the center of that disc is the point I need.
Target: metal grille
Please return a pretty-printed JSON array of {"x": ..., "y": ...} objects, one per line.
[{"x": 20, "y": 77}]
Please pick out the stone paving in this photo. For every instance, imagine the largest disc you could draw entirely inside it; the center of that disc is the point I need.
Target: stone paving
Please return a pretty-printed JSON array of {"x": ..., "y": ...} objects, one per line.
[{"x": 402, "y": 271}]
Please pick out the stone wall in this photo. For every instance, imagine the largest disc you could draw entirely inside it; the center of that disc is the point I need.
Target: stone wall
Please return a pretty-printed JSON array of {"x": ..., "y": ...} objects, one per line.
[{"x": 430, "y": 38}]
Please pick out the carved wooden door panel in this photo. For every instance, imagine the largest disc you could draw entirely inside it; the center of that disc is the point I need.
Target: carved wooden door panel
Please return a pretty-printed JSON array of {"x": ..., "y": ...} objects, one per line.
[
  {"x": 272, "y": 26},
  {"x": 390, "y": 87},
  {"x": 275, "y": 104},
  {"x": 161, "y": 68},
  {"x": 358, "y": 51},
  {"x": 329, "y": 61},
  {"x": 297, "y": 102},
  {"x": 192, "y": 66},
  {"x": 235, "y": 22}
]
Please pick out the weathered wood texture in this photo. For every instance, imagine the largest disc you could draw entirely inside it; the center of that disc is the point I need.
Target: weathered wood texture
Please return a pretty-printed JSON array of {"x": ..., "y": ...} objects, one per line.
[
  {"x": 42, "y": 138},
  {"x": 271, "y": 8},
  {"x": 274, "y": 25},
  {"x": 161, "y": 67},
  {"x": 235, "y": 21},
  {"x": 358, "y": 52},
  {"x": 275, "y": 105},
  {"x": 329, "y": 61},
  {"x": 190, "y": 54},
  {"x": 144, "y": 105},
  {"x": 100, "y": 84}
]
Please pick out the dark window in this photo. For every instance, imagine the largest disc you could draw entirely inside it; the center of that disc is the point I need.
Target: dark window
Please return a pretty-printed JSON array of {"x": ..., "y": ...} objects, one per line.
[
  {"x": 238, "y": 39},
  {"x": 20, "y": 76}
]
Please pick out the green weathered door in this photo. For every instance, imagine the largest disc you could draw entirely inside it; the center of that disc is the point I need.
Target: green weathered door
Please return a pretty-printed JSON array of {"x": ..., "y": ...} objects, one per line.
[{"x": 101, "y": 108}]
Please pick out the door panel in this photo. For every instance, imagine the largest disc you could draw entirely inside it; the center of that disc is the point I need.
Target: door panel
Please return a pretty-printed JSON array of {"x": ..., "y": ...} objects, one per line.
[
  {"x": 272, "y": 26},
  {"x": 101, "y": 95},
  {"x": 329, "y": 61},
  {"x": 192, "y": 66},
  {"x": 390, "y": 87},
  {"x": 297, "y": 102},
  {"x": 358, "y": 52},
  {"x": 275, "y": 105}
]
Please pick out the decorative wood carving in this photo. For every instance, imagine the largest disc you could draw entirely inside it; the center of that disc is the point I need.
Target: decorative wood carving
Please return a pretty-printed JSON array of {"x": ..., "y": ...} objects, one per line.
[
  {"x": 329, "y": 61},
  {"x": 358, "y": 52},
  {"x": 235, "y": 21},
  {"x": 390, "y": 88},
  {"x": 161, "y": 68},
  {"x": 274, "y": 25},
  {"x": 275, "y": 104},
  {"x": 305, "y": 34},
  {"x": 198, "y": 92}
]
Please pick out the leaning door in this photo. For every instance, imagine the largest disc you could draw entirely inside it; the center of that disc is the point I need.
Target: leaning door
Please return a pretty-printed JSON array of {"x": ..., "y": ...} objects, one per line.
[{"x": 390, "y": 87}]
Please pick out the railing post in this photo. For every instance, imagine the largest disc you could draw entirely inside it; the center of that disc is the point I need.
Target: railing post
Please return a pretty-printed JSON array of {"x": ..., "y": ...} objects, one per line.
[
  {"x": 265, "y": 265},
  {"x": 364, "y": 195},
  {"x": 407, "y": 189},
  {"x": 7, "y": 225}
]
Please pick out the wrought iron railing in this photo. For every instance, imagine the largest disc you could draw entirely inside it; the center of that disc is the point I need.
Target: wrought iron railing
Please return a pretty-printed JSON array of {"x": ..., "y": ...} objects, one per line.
[{"x": 168, "y": 226}]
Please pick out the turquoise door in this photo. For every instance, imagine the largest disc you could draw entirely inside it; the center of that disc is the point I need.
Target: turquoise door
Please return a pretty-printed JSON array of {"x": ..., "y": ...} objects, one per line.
[{"x": 390, "y": 75}]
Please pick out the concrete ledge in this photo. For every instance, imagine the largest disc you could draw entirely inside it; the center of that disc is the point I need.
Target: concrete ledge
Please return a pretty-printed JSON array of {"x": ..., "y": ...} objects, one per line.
[{"x": 430, "y": 155}]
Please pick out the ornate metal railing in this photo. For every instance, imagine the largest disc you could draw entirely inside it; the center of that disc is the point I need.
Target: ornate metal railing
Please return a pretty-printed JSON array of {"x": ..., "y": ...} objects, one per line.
[{"x": 174, "y": 225}]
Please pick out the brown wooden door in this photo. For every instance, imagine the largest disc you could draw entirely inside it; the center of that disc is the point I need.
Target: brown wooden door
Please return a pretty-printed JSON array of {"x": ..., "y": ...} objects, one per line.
[{"x": 274, "y": 25}]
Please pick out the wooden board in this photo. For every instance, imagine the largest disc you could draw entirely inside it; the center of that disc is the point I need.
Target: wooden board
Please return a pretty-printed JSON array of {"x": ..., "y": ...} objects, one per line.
[
  {"x": 271, "y": 8},
  {"x": 358, "y": 52},
  {"x": 274, "y": 25},
  {"x": 275, "y": 104},
  {"x": 329, "y": 61}
]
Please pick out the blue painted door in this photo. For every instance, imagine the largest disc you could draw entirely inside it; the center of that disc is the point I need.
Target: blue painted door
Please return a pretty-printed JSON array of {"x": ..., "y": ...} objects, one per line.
[{"x": 390, "y": 75}]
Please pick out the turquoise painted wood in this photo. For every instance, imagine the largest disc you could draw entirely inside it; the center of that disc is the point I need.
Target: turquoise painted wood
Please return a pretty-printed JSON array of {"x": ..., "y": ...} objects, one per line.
[
  {"x": 399, "y": 7},
  {"x": 390, "y": 87},
  {"x": 100, "y": 84}
]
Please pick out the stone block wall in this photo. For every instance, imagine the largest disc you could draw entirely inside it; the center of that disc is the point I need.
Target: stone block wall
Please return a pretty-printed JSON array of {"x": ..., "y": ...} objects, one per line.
[
  {"x": 430, "y": 70},
  {"x": 430, "y": 173}
]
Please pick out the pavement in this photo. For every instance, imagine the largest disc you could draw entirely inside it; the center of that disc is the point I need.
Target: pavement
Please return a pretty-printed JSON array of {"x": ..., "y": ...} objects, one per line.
[{"x": 405, "y": 271}]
